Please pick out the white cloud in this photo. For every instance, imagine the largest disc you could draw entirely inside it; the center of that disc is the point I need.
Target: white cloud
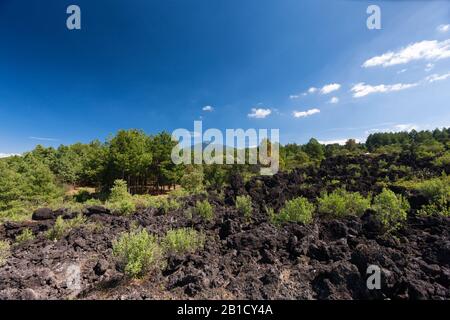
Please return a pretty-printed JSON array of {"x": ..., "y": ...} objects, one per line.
[
  {"x": 7, "y": 155},
  {"x": 405, "y": 127},
  {"x": 429, "y": 67},
  {"x": 259, "y": 113},
  {"x": 334, "y": 100},
  {"x": 43, "y": 139},
  {"x": 361, "y": 89},
  {"x": 330, "y": 88},
  {"x": 208, "y": 108},
  {"x": 337, "y": 141},
  {"x": 402, "y": 71},
  {"x": 424, "y": 50},
  {"x": 437, "y": 77},
  {"x": 443, "y": 28},
  {"x": 294, "y": 96},
  {"x": 312, "y": 90},
  {"x": 303, "y": 114}
]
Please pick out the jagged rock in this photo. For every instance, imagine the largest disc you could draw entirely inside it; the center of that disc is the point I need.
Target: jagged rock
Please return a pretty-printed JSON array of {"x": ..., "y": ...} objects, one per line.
[{"x": 43, "y": 214}]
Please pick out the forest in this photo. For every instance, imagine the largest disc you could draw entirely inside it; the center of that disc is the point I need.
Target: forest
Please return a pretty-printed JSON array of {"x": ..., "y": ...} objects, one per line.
[{"x": 45, "y": 176}]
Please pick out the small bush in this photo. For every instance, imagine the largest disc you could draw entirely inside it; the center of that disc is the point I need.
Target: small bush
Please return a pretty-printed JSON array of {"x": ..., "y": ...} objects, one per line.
[
  {"x": 204, "y": 209},
  {"x": 5, "y": 252},
  {"x": 296, "y": 210},
  {"x": 391, "y": 209},
  {"x": 119, "y": 191},
  {"x": 183, "y": 240},
  {"x": 341, "y": 203},
  {"x": 244, "y": 206},
  {"x": 24, "y": 236},
  {"x": 61, "y": 227},
  {"x": 192, "y": 180},
  {"x": 123, "y": 207},
  {"x": 437, "y": 192},
  {"x": 120, "y": 200},
  {"x": 137, "y": 252},
  {"x": 170, "y": 205}
]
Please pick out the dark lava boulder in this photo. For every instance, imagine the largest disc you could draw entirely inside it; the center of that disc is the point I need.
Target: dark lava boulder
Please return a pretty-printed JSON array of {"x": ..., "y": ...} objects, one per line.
[
  {"x": 43, "y": 214},
  {"x": 89, "y": 211}
]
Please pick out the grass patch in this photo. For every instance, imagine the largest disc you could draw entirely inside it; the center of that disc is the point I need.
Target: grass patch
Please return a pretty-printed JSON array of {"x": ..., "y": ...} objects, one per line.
[
  {"x": 24, "y": 236},
  {"x": 5, "y": 252},
  {"x": 244, "y": 206}
]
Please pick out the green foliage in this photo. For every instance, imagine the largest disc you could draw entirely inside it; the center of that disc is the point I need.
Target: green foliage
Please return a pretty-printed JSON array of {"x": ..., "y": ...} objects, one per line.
[
  {"x": 244, "y": 206},
  {"x": 342, "y": 203},
  {"x": 5, "y": 252},
  {"x": 437, "y": 191},
  {"x": 169, "y": 204},
  {"x": 120, "y": 200},
  {"x": 24, "y": 236},
  {"x": 25, "y": 183},
  {"x": 296, "y": 210},
  {"x": 391, "y": 210},
  {"x": 137, "y": 252},
  {"x": 315, "y": 150},
  {"x": 443, "y": 161},
  {"x": 204, "y": 209},
  {"x": 192, "y": 180},
  {"x": 124, "y": 207},
  {"x": 183, "y": 240},
  {"x": 62, "y": 227}
]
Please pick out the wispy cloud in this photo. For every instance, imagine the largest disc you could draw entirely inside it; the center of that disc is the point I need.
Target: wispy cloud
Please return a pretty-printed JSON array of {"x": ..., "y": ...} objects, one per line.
[
  {"x": 7, "y": 155},
  {"x": 330, "y": 88},
  {"x": 43, "y": 139},
  {"x": 208, "y": 108},
  {"x": 303, "y": 114},
  {"x": 437, "y": 77},
  {"x": 337, "y": 141},
  {"x": 424, "y": 50},
  {"x": 443, "y": 28},
  {"x": 361, "y": 89},
  {"x": 429, "y": 67},
  {"x": 405, "y": 127},
  {"x": 312, "y": 90},
  {"x": 259, "y": 113},
  {"x": 334, "y": 100}
]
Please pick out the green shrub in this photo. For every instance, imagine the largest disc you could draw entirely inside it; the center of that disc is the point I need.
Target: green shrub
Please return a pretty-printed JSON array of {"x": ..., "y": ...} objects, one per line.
[
  {"x": 24, "y": 236},
  {"x": 296, "y": 210},
  {"x": 183, "y": 240},
  {"x": 5, "y": 252},
  {"x": 120, "y": 200},
  {"x": 123, "y": 207},
  {"x": 391, "y": 209},
  {"x": 244, "y": 206},
  {"x": 119, "y": 191},
  {"x": 204, "y": 209},
  {"x": 170, "y": 205},
  {"x": 192, "y": 180},
  {"x": 443, "y": 161},
  {"x": 137, "y": 252},
  {"x": 437, "y": 192},
  {"x": 342, "y": 203},
  {"x": 61, "y": 227}
]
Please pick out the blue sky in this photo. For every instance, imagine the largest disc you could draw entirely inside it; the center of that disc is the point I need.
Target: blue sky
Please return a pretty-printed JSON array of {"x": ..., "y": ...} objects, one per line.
[{"x": 155, "y": 65}]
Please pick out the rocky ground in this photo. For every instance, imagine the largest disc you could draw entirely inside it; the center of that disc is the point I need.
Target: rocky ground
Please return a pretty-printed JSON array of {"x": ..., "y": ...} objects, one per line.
[{"x": 327, "y": 259}]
